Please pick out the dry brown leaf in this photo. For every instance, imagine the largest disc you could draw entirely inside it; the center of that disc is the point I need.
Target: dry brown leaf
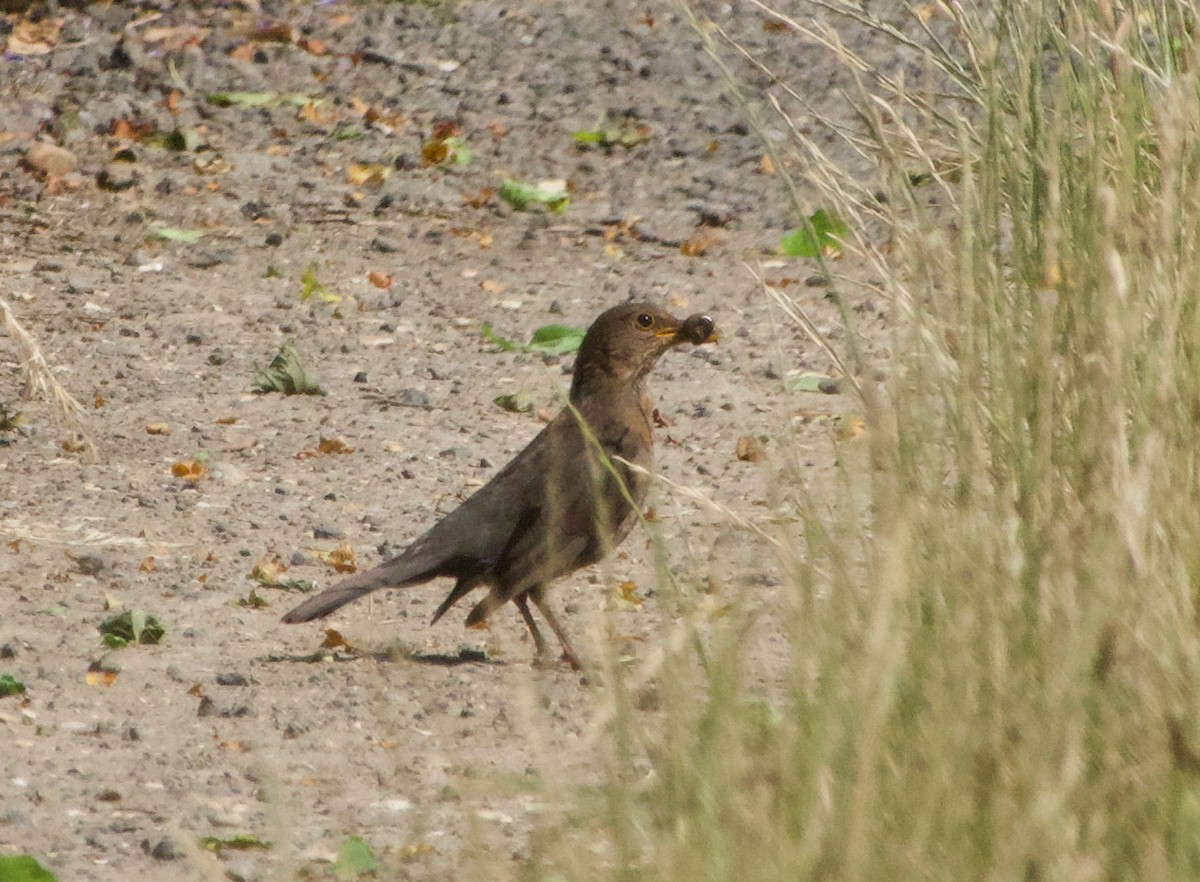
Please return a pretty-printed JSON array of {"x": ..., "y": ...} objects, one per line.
[
  {"x": 443, "y": 129},
  {"x": 242, "y": 52},
  {"x": 369, "y": 174},
  {"x": 313, "y": 46},
  {"x": 750, "y": 449},
  {"x": 191, "y": 471},
  {"x": 381, "y": 280},
  {"x": 342, "y": 559},
  {"x": 848, "y": 427},
  {"x": 267, "y": 572},
  {"x": 627, "y": 593},
  {"x": 97, "y": 676},
  {"x": 314, "y": 114},
  {"x": 335, "y": 640},
  {"x": 158, "y": 429},
  {"x": 326, "y": 446},
  {"x": 34, "y": 37},
  {"x": 434, "y": 153},
  {"x": 697, "y": 243},
  {"x": 148, "y": 565},
  {"x": 274, "y": 32},
  {"x": 483, "y": 198}
]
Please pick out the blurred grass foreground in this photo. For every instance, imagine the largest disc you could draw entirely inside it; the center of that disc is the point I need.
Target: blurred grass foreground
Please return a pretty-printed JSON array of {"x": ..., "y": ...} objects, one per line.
[{"x": 995, "y": 647}]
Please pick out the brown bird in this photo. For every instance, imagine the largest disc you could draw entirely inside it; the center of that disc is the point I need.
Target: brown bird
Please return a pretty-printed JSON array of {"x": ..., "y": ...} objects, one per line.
[{"x": 558, "y": 505}]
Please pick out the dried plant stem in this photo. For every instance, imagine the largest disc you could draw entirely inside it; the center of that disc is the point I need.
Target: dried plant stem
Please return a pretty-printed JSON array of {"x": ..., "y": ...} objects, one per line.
[{"x": 39, "y": 378}]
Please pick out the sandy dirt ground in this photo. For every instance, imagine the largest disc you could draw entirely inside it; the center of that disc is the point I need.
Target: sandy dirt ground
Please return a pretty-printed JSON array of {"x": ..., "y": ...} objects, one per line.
[{"x": 440, "y": 747}]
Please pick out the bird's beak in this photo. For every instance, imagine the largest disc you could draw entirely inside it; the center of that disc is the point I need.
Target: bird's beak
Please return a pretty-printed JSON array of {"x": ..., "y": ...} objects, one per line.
[{"x": 695, "y": 329}]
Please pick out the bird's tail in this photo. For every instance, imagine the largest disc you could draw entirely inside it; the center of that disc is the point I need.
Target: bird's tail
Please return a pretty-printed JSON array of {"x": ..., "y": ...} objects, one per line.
[
  {"x": 326, "y": 602},
  {"x": 396, "y": 573}
]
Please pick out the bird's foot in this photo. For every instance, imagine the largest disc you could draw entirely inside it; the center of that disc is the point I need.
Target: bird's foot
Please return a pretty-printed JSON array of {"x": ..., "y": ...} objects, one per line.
[{"x": 545, "y": 661}]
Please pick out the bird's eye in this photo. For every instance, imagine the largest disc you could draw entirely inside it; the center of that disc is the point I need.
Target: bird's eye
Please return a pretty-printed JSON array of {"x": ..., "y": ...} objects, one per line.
[{"x": 645, "y": 320}]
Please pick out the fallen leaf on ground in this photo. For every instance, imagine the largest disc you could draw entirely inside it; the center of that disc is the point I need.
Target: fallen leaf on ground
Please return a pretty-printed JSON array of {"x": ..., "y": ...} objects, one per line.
[
  {"x": 486, "y": 196},
  {"x": 822, "y": 235},
  {"x": 133, "y": 626},
  {"x": 341, "y": 558},
  {"x": 698, "y": 243},
  {"x": 287, "y": 374},
  {"x": 335, "y": 640},
  {"x": 369, "y": 174},
  {"x": 191, "y": 471},
  {"x": 100, "y": 674},
  {"x": 626, "y": 594},
  {"x": 30, "y": 37},
  {"x": 325, "y": 447},
  {"x": 750, "y": 449},
  {"x": 552, "y": 194},
  {"x": 518, "y": 402}
]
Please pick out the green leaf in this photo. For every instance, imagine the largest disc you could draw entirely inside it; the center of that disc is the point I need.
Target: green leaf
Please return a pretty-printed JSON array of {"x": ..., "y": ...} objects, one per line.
[
  {"x": 180, "y": 140},
  {"x": 520, "y": 195},
  {"x": 556, "y": 339},
  {"x": 23, "y": 868},
  {"x": 503, "y": 342},
  {"x": 287, "y": 374},
  {"x": 814, "y": 383},
  {"x": 459, "y": 153},
  {"x": 823, "y": 231},
  {"x": 310, "y": 285},
  {"x": 10, "y": 685},
  {"x": 607, "y": 138},
  {"x": 354, "y": 859},
  {"x": 805, "y": 383},
  {"x": 190, "y": 237},
  {"x": 546, "y": 340},
  {"x": 348, "y": 133},
  {"x": 258, "y": 99},
  {"x": 518, "y": 402},
  {"x": 241, "y": 842},
  {"x": 133, "y": 626},
  {"x": 10, "y": 420}
]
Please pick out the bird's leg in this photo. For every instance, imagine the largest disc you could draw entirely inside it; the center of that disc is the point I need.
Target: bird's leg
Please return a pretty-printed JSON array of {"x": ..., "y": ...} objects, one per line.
[
  {"x": 538, "y": 640},
  {"x": 568, "y": 653}
]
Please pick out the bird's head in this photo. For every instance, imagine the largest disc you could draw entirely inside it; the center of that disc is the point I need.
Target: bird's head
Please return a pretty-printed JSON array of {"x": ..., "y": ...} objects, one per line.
[{"x": 623, "y": 344}]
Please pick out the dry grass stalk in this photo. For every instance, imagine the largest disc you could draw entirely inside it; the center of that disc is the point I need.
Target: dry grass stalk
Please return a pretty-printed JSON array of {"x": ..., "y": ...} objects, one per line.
[{"x": 39, "y": 378}]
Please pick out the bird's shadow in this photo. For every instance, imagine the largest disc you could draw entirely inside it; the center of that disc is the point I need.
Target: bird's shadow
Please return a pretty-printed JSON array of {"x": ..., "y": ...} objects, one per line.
[{"x": 465, "y": 656}]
